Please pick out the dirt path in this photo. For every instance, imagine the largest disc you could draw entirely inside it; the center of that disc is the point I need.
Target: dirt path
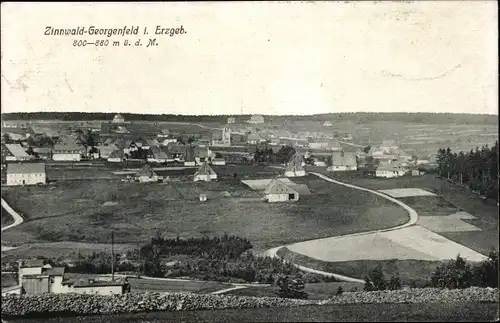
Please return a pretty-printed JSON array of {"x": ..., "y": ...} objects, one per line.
[
  {"x": 18, "y": 219},
  {"x": 412, "y": 221}
]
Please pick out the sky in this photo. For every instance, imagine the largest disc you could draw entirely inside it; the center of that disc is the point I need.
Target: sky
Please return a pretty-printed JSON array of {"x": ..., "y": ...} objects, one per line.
[{"x": 254, "y": 58}]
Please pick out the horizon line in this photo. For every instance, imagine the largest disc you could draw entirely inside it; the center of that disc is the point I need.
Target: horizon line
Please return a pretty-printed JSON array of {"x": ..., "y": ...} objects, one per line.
[{"x": 250, "y": 114}]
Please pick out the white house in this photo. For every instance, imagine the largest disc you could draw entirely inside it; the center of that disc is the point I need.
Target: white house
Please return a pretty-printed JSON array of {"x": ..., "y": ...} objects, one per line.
[
  {"x": 105, "y": 151},
  {"x": 389, "y": 169},
  {"x": 67, "y": 152},
  {"x": 295, "y": 166},
  {"x": 26, "y": 174},
  {"x": 146, "y": 175},
  {"x": 231, "y": 120},
  {"x": 224, "y": 139},
  {"x": 343, "y": 161},
  {"x": 277, "y": 191},
  {"x": 205, "y": 173},
  {"x": 256, "y": 119},
  {"x": 116, "y": 156},
  {"x": 156, "y": 155},
  {"x": 319, "y": 145},
  {"x": 118, "y": 119},
  {"x": 327, "y": 124},
  {"x": 16, "y": 152},
  {"x": 218, "y": 161}
]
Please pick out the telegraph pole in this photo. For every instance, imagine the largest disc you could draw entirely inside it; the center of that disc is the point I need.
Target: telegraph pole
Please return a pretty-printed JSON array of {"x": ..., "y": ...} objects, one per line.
[{"x": 112, "y": 258}]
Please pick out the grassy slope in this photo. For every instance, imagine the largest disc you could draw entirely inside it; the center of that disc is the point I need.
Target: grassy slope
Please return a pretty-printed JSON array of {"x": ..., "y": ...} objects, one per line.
[
  {"x": 457, "y": 312},
  {"x": 5, "y": 218},
  {"x": 74, "y": 211},
  {"x": 416, "y": 270}
]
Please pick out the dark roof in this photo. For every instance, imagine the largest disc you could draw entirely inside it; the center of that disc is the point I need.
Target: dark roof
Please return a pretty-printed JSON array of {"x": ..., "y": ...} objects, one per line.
[
  {"x": 54, "y": 271},
  {"x": 25, "y": 168}
]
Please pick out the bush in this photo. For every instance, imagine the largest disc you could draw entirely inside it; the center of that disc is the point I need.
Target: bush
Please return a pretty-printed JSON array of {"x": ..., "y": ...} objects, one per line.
[
  {"x": 340, "y": 290},
  {"x": 291, "y": 288}
]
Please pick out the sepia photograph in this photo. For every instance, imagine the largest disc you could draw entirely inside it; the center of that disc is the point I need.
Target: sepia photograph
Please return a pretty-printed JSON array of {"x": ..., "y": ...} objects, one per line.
[{"x": 260, "y": 161}]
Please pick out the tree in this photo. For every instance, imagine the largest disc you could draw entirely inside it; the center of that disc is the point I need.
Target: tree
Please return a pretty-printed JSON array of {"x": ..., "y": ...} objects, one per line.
[
  {"x": 291, "y": 288},
  {"x": 190, "y": 140},
  {"x": 377, "y": 278},
  {"x": 457, "y": 273},
  {"x": 367, "y": 149},
  {"x": 368, "y": 285},
  {"x": 394, "y": 282},
  {"x": 486, "y": 272},
  {"x": 340, "y": 290}
]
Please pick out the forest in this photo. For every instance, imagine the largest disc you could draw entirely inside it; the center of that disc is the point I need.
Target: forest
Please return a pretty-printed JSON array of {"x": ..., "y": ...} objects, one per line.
[
  {"x": 478, "y": 169},
  {"x": 355, "y": 117}
]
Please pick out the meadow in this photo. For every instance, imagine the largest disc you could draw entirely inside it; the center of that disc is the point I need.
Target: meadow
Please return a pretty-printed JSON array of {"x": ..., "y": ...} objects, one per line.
[{"x": 88, "y": 210}]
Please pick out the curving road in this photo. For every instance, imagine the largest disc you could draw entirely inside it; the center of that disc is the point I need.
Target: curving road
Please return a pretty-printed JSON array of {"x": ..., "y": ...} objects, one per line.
[
  {"x": 412, "y": 221},
  {"x": 18, "y": 219}
]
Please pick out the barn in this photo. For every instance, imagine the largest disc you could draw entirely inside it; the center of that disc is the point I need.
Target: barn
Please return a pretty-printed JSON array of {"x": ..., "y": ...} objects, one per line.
[
  {"x": 277, "y": 191},
  {"x": 205, "y": 173},
  {"x": 295, "y": 166}
]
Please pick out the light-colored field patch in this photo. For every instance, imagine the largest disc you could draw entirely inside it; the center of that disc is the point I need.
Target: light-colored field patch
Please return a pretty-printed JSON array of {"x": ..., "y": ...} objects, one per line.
[
  {"x": 406, "y": 192},
  {"x": 261, "y": 184},
  {"x": 450, "y": 223},
  {"x": 109, "y": 203},
  {"x": 414, "y": 242}
]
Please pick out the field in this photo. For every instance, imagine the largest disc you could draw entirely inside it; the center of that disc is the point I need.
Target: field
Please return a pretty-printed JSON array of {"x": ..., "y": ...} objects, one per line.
[
  {"x": 451, "y": 198},
  {"x": 81, "y": 211},
  {"x": 438, "y": 312}
]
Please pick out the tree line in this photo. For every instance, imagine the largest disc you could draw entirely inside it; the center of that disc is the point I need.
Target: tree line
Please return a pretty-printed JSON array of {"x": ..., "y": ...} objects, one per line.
[
  {"x": 456, "y": 273},
  {"x": 355, "y": 117},
  {"x": 477, "y": 168}
]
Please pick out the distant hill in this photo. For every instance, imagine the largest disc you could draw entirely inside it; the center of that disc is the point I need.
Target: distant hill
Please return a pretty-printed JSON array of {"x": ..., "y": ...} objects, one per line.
[{"x": 357, "y": 117}]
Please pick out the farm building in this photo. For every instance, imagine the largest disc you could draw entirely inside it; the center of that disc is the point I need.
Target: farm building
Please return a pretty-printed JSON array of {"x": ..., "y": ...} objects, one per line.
[
  {"x": 26, "y": 174},
  {"x": 116, "y": 156},
  {"x": 295, "y": 167},
  {"x": 44, "y": 153},
  {"x": 318, "y": 145},
  {"x": 118, "y": 119},
  {"x": 254, "y": 139},
  {"x": 343, "y": 161},
  {"x": 201, "y": 154},
  {"x": 205, "y": 173},
  {"x": 142, "y": 143},
  {"x": 15, "y": 152},
  {"x": 256, "y": 119},
  {"x": 146, "y": 175},
  {"x": 67, "y": 152},
  {"x": 389, "y": 170},
  {"x": 156, "y": 155},
  {"x": 416, "y": 172},
  {"x": 218, "y": 161},
  {"x": 168, "y": 139},
  {"x": 203, "y": 197},
  {"x": 327, "y": 124},
  {"x": 231, "y": 120},
  {"x": 223, "y": 138},
  {"x": 106, "y": 150},
  {"x": 34, "y": 278},
  {"x": 277, "y": 191}
]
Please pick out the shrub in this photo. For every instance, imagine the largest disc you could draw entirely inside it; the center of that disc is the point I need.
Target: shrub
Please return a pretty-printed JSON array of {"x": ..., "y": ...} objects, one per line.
[
  {"x": 291, "y": 288},
  {"x": 368, "y": 285},
  {"x": 340, "y": 290},
  {"x": 457, "y": 273},
  {"x": 395, "y": 282}
]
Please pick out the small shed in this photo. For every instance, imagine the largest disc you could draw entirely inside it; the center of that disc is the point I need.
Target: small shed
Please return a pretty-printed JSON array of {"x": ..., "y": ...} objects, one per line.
[{"x": 203, "y": 197}]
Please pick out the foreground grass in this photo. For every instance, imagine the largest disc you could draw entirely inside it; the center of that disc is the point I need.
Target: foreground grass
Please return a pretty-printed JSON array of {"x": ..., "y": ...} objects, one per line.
[
  {"x": 417, "y": 271},
  {"x": 457, "y": 312},
  {"x": 77, "y": 211},
  {"x": 5, "y": 218}
]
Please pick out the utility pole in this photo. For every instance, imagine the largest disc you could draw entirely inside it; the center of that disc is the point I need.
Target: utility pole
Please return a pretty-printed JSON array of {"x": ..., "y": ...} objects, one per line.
[{"x": 112, "y": 258}]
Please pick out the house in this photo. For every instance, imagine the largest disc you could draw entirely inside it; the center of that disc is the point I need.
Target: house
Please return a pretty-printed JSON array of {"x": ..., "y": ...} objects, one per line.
[
  {"x": 15, "y": 152},
  {"x": 116, "y": 156},
  {"x": 168, "y": 139},
  {"x": 416, "y": 172},
  {"x": 231, "y": 120},
  {"x": 141, "y": 143},
  {"x": 107, "y": 141},
  {"x": 34, "y": 278},
  {"x": 343, "y": 161},
  {"x": 277, "y": 191},
  {"x": 388, "y": 146},
  {"x": 389, "y": 169},
  {"x": 334, "y": 145},
  {"x": 256, "y": 119},
  {"x": 203, "y": 197},
  {"x": 319, "y": 162},
  {"x": 26, "y": 174},
  {"x": 44, "y": 153},
  {"x": 67, "y": 152},
  {"x": 254, "y": 139},
  {"x": 327, "y": 124},
  {"x": 156, "y": 155},
  {"x": 295, "y": 167},
  {"x": 118, "y": 119},
  {"x": 223, "y": 139},
  {"x": 205, "y": 173},
  {"x": 176, "y": 151},
  {"x": 218, "y": 161},
  {"x": 201, "y": 154},
  {"x": 105, "y": 151},
  {"x": 275, "y": 142},
  {"x": 189, "y": 156},
  {"x": 146, "y": 175}
]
